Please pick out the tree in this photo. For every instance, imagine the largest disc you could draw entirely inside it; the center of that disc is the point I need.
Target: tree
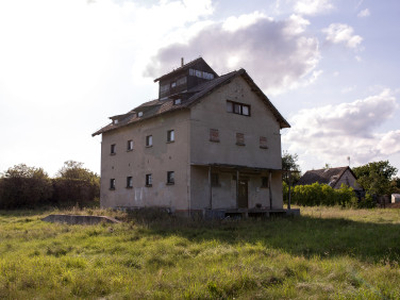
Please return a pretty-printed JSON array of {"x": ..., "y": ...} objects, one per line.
[
  {"x": 75, "y": 184},
  {"x": 23, "y": 186},
  {"x": 73, "y": 170},
  {"x": 289, "y": 163},
  {"x": 376, "y": 177}
]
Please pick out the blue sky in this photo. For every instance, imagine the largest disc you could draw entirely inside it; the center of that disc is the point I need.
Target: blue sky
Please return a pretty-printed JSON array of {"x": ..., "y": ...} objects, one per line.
[{"x": 330, "y": 66}]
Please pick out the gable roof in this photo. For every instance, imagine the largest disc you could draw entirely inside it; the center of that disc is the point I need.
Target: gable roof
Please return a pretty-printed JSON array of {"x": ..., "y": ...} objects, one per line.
[
  {"x": 190, "y": 64},
  {"x": 189, "y": 98},
  {"x": 324, "y": 176}
]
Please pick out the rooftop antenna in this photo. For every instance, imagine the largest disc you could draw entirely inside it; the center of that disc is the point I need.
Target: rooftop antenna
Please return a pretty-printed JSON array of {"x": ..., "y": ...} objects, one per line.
[{"x": 182, "y": 62}]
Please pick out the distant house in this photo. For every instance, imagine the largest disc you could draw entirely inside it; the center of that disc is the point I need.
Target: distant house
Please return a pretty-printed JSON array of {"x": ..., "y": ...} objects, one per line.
[
  {"x": 208, "y": 143},
  {"x": 395, "y": 198},
  {"x": 333, "y": 177}
]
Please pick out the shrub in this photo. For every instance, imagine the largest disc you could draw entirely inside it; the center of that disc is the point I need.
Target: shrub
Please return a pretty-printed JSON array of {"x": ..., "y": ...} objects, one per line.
[
  {"x": 23, "y": 186},
  {"x": 322, "y": 194}
]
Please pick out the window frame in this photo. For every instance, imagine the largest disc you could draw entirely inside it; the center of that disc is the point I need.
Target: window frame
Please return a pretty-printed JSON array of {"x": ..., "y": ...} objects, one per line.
[
  {"x": 149, "y": 180},
  {"x": 215, "y": 182},
  {"x": 129, "y": 145},
  {"x": 240, "y": 141},
  {"x": 264, "y": 182},
  {"x": 113, "y": 149},
  {"x": 112, "y": 184},
  {"x": 171, "y": 136},
  {"x": 149, "y": 141},
  {"x": 214, "y": 135},
  {"x": 263, "y": 141},
  {"x": 238, "y": 108},
  {"x": 170, "y": 177},
  {"x": 129, "y": 182}
]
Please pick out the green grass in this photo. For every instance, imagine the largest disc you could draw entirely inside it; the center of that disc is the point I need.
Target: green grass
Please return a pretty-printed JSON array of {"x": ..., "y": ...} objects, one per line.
[{"x": 326, "y": 253}]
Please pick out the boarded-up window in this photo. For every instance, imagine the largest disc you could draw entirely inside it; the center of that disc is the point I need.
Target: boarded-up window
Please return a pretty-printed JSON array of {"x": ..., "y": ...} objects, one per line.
[
  {"x": 214, "y": 135},
  {"x": 240, "y": 139},
  {"x": 263, "y": 142}
]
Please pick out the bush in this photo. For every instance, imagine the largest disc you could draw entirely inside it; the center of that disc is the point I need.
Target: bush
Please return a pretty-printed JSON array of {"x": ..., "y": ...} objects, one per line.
[
  {"x": 23, "y": 186},
  {"x": 322, "y": 194}
]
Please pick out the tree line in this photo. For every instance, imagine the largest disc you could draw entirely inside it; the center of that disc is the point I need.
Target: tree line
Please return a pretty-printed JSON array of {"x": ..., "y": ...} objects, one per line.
[
  {"x": 22, "y": 186},
  {"x": 376, "y": 178}
]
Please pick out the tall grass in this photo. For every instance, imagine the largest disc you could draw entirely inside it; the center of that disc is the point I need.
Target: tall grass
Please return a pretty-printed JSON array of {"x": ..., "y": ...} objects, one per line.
[{"x": 326, "y": 253}]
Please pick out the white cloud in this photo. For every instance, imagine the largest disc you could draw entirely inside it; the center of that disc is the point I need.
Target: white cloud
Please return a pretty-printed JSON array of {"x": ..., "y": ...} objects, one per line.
[
  {"x": 342, "y": 33},
  {"x": 313, "y": 7},
  {"x": 331, "y": 132},
  {"x": 234, "y": 23},
  {"x": 280, "y": 47},
  {"x": 364, "y": 13}
]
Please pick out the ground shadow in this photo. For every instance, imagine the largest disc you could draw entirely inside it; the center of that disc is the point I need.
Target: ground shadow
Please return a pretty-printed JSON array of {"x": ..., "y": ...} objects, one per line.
[{"x": 303, "y": 236}]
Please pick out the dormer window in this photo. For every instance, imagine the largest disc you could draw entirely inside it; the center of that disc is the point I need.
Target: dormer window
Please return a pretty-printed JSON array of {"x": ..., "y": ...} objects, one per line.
[
  {"x": 177, "y": 101},
  {"x": 140, "y": 114},
  {"x": 115, "y": 121}
]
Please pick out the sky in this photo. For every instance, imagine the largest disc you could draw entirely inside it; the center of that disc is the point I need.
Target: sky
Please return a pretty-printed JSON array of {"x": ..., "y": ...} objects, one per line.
[{"x": 331, "y": 67}]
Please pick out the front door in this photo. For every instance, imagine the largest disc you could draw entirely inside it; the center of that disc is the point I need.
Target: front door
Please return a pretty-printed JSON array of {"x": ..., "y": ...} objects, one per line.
[{"x": 243, "y": 189}]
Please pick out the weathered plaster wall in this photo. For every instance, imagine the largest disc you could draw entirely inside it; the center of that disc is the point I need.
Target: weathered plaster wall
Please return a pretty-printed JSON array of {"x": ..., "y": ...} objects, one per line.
[
  {"x": 157, "y": 160},
  {"x": 211, "y": 114}
]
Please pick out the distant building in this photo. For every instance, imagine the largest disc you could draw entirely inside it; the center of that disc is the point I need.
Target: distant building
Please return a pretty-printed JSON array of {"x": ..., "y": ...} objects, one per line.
[
  {"x": 208, "y": 143},
  {"x": 333, "y": 177}
]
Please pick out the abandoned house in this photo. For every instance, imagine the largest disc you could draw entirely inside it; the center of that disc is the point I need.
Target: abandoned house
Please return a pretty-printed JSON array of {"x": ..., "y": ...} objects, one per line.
[
  {"x": 333, "y": 177},
  {"x": 208, "y": 144}
]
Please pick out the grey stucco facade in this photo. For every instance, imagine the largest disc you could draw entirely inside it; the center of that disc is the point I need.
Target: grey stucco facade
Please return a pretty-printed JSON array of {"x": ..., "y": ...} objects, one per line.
[{"x": 225, "y": 151}]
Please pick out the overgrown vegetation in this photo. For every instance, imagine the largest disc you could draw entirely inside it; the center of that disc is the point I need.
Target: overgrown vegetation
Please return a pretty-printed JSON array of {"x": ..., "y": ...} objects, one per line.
[
  {"x": 28, "y": 187},
  {"x": 328, "y": 252},
  {"x": 322, "y": 194}
]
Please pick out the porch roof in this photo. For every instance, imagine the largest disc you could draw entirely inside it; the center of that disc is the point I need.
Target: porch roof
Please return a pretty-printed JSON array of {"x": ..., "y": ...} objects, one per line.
[{"x": 238, "y": 168}]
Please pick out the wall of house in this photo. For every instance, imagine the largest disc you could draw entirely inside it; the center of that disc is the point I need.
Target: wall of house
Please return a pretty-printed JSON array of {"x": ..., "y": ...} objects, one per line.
[
  {"x": 224, "y": 195},
  {"x": 157, "y": 160},
  {"x": 211, "y": 113},
  {"x": 348, "y": 179}
]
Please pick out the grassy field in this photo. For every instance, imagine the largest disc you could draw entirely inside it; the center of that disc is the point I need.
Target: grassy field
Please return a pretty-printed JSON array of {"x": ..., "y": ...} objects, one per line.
[{"x": 326, "y": 253}]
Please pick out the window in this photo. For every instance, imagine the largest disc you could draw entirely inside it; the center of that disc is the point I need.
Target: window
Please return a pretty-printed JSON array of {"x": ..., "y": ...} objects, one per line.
[
  {"x": 171, "y": 177},
  {"x": 263, "y": 142},
  {"x": 177, "y": 101},
  {"x": 214, "y": 135},
  {"x": 112, "y": 184},
  {"x": 129, "y": 182},
  {"x": 129, "y": 146},
  {"x": 240, "y": 139},
  {"x": 264, "y": 182},
  {"x": 115, "y": 121},
  {"x": 181, "y": 81},
  {"x": 238, "y": 108},
  {"x": 149, "y": 141},
  {"x": 170, "y": 136},
  {"x": 215, "y": 179},
  {"x": 149, "y": 180},
  {"x": 113, "y": 149},
  {"x": 140, "y": 114}
]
